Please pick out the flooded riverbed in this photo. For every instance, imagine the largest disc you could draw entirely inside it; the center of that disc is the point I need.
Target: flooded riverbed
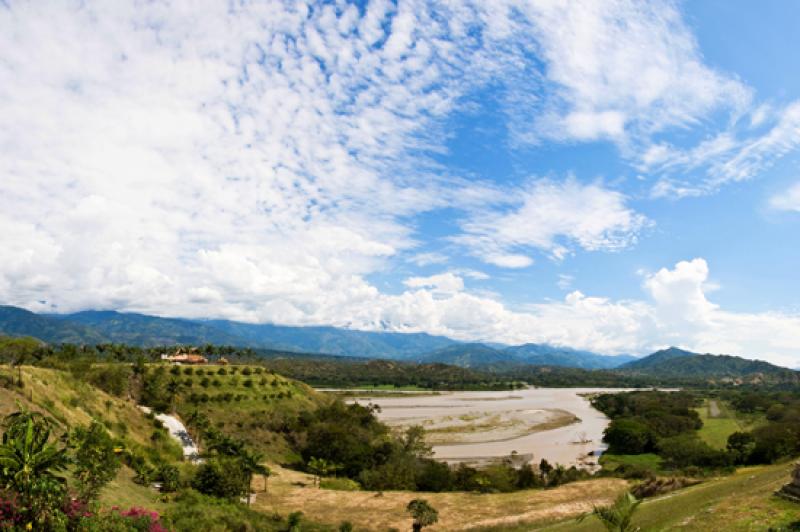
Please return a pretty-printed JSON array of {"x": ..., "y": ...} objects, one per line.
[{"x": 558, "y": 424}]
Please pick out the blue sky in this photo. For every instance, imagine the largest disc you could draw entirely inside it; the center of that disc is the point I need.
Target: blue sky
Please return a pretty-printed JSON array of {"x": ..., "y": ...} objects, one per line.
[{"x": 615, "y": 176}]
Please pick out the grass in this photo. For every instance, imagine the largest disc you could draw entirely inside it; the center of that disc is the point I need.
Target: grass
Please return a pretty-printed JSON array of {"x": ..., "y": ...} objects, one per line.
[
  {"x": 739, "y": 502},
  {"x": 648, "y": 460},
  {"x": 254, "y": 403},
  {"x": 717, "y": 428},
  {"x": 370, "y": 510},
  {"x": 72, "y": 402}
]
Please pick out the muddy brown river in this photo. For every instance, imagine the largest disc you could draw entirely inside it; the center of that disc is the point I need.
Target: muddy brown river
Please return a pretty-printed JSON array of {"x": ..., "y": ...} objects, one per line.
[{"x": 558, "y": 424}]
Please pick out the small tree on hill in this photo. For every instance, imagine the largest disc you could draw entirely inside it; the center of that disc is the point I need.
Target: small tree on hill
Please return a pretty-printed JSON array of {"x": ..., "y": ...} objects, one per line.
[
  {"x": 96, "y": 463},
  {"x": 423, "y": 513}
]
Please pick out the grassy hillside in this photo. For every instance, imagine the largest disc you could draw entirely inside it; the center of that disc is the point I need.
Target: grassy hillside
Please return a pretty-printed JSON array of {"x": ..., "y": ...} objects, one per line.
[
  {"x": 742, "y": 501},
  {"x": 371, "y": 510},
  {"x": 72, "y": 402},
  {"x": 248, "y": 402}
]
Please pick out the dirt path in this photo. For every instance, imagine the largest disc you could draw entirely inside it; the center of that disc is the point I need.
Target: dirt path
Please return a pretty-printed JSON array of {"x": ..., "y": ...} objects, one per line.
[
  {"x": 369, "y": 510},
  {"x": 713, "y": 409}
]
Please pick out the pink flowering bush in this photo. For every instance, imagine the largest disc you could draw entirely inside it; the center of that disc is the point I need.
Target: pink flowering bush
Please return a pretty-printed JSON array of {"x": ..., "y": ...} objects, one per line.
[
  {"x": 132, "y": 520},
  {"x": 11, "y": 515}
]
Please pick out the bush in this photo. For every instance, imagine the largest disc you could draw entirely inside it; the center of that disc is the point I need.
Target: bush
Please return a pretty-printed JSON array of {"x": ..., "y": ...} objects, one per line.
[
  {"x": 169, "y": 477},
  {"x": 628, "y": 436},
  {"x": 194, "y": 511},
  {"x": 221, "y": 477},
  {"x": 341, "y": 484},
  {"x": 132, "y": 520}
]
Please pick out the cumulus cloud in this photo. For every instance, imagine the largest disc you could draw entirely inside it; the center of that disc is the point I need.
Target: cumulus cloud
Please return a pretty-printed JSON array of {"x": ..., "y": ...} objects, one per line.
[
  {"x": 552, "y": 216},
  {"x": 259, "y": 161}
]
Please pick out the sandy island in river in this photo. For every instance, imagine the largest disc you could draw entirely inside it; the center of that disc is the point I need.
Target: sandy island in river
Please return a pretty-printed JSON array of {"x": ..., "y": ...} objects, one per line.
[{"x": 487, "y": 426}]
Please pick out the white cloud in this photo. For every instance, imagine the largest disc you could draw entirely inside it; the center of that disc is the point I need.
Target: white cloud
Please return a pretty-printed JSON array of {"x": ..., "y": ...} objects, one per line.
[
  {"x": 788, "y": 200},
  {"x": 442, "y": 283},
  {"x": 428, "y": 258},
  {"x": 738, "y": 153},
  {"x": 259, "y": 161},
  {"x": 565, "y": 281},
  {"x": 552, "y": 216},
  {"x": 622, "y": 67}
]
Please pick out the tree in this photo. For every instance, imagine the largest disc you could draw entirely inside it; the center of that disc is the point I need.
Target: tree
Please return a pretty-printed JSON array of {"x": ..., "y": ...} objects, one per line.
[
  {"x": 618, "y": 516},
  {"x": 96, "y": 463},
  {"x": 741, "y": 446},
  {"x": 251, "y": 465},
  {"x": 319, "y": 467},
  {"x": 423, "y": 513},
  {"x": 29, "y": 464},
  {"x": 173, "y": 389}
]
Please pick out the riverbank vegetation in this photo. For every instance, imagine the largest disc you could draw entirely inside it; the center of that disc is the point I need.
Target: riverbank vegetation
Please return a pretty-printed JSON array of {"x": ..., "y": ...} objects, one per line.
[{"x": 696, "y": 433}]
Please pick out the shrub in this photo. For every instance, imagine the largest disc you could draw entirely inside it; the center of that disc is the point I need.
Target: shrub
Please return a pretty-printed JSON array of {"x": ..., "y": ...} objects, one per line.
[
  {"x": 132, "y": 520},
  {"x": 96, "y": 463},
  {"x": 221, "y": 477},
  {"x": 339, "y": 483},
  {"x": 169, "y": 477}
]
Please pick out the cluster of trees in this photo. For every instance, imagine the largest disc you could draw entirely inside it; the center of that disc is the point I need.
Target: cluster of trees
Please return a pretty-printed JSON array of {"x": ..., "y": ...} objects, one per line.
[
  {"x": 350, "y": 440},
  {"x": 666, "y": 423},
  {"x": 779, "y": 437},
  {"x": 344, "y": 372}
]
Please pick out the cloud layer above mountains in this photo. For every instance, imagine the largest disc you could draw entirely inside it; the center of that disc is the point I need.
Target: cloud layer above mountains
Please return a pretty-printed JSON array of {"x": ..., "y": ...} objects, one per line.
[{"x": 260, "y": 161}]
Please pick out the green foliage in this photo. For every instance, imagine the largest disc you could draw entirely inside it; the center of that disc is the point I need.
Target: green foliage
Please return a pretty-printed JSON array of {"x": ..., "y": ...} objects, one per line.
[
  {"x": 340, "y": 484},
  {"x": 619, "y": 516},
  {"x": 170, "y": 478},
  {"x": 29, "y": 466},
  {"x": 96, "y": 462},
  {"x": 423, "y": 513},
  {"x": 223, "y": 477}
]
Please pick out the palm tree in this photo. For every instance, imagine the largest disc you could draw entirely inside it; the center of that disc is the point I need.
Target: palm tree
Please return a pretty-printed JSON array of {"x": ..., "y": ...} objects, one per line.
[
  {"x": 251, "y": 465},
  {"x": 618, "y": 516},
  {"x": 200, "y": 422},
  {"x": 423, "y": 513},
  {"x": 173, "y": 389}
]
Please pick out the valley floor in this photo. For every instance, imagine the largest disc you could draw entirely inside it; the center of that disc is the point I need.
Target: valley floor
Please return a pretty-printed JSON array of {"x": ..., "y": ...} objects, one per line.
[
  {"x": 369, "y": 510},
  {"x": 743, "y": 501}
]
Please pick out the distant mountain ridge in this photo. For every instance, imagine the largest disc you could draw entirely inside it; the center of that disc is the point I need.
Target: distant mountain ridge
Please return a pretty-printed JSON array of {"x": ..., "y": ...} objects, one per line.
[
  {"x": 477, "y": 355},
  {"x": 676, "y": 362},
  {"x": 93, "y": 326}
]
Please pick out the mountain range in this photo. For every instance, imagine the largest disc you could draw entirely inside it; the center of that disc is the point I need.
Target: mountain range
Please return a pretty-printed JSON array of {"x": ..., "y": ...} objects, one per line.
[{"x": 92, "y": 327}]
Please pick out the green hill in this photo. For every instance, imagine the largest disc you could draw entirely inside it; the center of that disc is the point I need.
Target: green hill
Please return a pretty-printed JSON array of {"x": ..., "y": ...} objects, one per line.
[
  {"x": 15, "y": 321},
  {"x": 677, "y": 363},
  {"x": 742, "y": 501}
]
